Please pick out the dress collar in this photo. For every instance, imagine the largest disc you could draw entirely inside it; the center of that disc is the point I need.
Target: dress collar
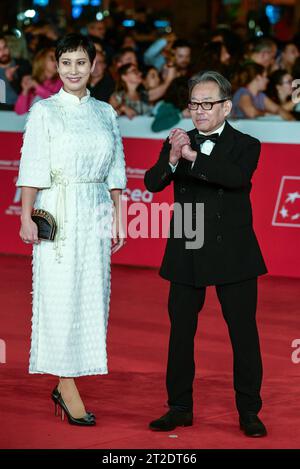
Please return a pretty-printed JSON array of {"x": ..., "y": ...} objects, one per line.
[{"x": 72, "y": 99}]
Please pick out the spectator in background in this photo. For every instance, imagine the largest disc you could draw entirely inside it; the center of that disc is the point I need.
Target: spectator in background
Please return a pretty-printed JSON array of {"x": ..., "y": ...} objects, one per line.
[
  {"x": 296, "y": 88},
  {"x": 288, "y": 56},
  {"x": 250, "y": 101},
  {"x": 42, "y": 84},
  {"x": 156, "y": 54},
  {"x": 125, "y": 56},
  {"x": 248, "y": 47},
  {"x": 98, "y": 44},
  {"x": 173, "y": 108},
  {"x": 296, "y": 69},
  {"x": 232, "y": 52},
  {"x": 41, "y": 35},
  {"x": 213, "y": 56},
  {"x": 154, "y": 86},
  {"x": 264, "y": 52},
  {"x": 232, "y": 42},
  {"x": 129, "y": 41},
  {"x": 97, "y": 29},
  {"x": 151, "y": 77},
  {"x": 32, "y": 40},
  {"x": 280, "y": 90},
  {"x": 101, "y": 84},
  {"x": 143, "y": 28},
  {"x": 151, "y": 80},
  {"x": 11, "y": 72},
  {"x": 180, "y": 57},
  {"x": 127, "y": 99},
  {"x": 16, "y": 43},
  {"x": 48, "y": 30}
]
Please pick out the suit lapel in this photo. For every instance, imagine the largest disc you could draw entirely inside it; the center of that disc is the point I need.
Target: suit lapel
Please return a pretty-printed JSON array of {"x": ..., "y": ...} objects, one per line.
[
  {"x": 224, "y": 145},
  {"x": 222, "y": 148}
]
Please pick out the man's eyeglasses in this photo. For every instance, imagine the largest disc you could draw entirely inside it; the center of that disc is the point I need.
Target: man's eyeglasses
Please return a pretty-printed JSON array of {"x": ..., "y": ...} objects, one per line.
[{"x": 205, "y": 105}]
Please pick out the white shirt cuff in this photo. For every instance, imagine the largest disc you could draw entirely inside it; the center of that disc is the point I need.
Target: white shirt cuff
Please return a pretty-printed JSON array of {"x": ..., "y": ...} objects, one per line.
[{"x": 173, "y": 166}]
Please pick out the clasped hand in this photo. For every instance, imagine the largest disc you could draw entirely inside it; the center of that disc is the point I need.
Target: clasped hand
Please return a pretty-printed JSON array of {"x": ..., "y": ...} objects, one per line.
[{"x": 180, "y": 146}]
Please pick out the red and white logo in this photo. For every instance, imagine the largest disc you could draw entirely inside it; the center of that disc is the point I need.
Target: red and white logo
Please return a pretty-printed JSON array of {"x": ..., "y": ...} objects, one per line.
[{"x": 287, "y": 210}]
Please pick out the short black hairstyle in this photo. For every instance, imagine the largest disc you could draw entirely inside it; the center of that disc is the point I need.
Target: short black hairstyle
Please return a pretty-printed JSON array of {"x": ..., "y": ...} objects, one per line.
[
  {"x": 71, "y": 42},
  {"x": 181, "y": 43}
]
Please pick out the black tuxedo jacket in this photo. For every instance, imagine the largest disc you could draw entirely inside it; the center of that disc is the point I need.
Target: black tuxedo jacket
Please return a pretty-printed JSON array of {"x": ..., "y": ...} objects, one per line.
[{"x": 222, "y": 181}]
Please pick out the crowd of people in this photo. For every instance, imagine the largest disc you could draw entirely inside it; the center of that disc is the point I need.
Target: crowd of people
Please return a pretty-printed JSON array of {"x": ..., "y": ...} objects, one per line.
[{"x": 148, "y": 75}]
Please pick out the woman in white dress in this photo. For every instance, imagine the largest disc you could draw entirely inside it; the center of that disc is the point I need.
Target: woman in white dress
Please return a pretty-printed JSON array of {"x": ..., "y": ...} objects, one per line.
[{"x": 72, "y": 165}]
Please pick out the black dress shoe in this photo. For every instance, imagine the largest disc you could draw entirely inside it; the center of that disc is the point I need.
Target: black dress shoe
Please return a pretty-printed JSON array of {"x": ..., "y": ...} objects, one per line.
[
  {"x": 171, "y": 420},
  {"x": 252, "y": 426}
]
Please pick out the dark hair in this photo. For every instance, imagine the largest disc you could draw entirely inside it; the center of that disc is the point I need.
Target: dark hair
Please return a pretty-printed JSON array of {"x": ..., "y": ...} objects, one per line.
[
  {"x": 178, "y": 93},
  {"x": 262, "y": 43},
  {"x": 96, "y": 40},
  {"x": 121, "y": 52},
  {"x": 275, "y": 79},
  {"x": 288, "y": 43},
  {"x": 124, "y": 50},
  {"x": 296, "y": 68},
  {"x": 121, "y": 85},
  {"x": 71, "y": 42},
  {"x": 247, "y": 73},
  {"x": 146, "y": 69},
  {"x": 181, "y": 43},
  {"x": 209, "y": 58},
  {"x": 212, "y": 76},
  {"x": 230, "y": 39}
]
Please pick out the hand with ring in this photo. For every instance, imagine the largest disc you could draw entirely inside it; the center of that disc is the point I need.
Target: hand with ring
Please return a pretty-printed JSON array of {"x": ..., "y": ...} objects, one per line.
[{"x": 29, "y": 231}]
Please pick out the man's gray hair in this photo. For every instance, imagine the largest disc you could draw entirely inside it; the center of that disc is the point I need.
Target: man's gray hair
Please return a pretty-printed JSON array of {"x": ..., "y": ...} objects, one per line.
[{"x": 216, "y": 77}]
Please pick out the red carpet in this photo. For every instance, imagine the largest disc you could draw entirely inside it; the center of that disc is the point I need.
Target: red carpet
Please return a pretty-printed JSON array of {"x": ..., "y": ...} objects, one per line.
[{"x": 133, "y": 392}]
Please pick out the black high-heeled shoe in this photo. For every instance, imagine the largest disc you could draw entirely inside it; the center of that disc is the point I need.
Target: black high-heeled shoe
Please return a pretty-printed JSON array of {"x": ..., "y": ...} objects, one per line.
[
  {"x": 55, "y": 394},
  {"x": 87, "y": 420}
]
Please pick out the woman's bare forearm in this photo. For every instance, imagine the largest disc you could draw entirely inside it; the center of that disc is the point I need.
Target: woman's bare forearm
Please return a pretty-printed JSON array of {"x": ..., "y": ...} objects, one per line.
[
  {"x": 116, "y": 197},
  {"x": 28, "y": 199}
]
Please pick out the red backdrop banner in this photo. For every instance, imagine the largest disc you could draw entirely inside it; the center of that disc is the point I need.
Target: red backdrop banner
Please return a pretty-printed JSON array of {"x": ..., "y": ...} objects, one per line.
[{"x": 275, "y": 199}]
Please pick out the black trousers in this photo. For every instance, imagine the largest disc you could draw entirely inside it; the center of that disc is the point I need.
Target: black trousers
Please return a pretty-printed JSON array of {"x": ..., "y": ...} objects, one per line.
[{"x": 238, "y": 302}]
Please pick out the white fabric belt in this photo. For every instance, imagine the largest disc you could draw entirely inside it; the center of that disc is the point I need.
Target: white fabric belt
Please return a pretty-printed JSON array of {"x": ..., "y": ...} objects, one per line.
[{"x": 60, "y": 180}]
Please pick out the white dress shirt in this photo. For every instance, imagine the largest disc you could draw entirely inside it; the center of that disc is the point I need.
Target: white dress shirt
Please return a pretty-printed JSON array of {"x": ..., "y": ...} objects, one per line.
[{"x": 206, "y": 147}]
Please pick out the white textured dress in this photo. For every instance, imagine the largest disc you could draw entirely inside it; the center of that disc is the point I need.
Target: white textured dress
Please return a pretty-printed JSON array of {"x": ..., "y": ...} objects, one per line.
[{"x": 72, "y": 151}]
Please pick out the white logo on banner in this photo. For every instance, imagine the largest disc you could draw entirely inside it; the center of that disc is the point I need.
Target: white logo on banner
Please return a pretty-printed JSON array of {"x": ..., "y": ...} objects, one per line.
[
  {"x": 287, "y": 209},
  {"x": 135, "y": 173},
  {"x": 10, "y": 165},
  {"x": 136, "y": 194}
]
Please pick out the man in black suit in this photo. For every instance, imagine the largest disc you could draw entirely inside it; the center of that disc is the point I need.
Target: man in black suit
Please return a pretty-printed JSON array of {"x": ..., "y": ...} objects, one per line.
[{"x": 212, "y": 164}]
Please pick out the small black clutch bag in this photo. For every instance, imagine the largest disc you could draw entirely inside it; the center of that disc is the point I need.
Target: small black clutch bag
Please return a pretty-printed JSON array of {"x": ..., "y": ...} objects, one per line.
[{"x": 46, "y": 224}]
